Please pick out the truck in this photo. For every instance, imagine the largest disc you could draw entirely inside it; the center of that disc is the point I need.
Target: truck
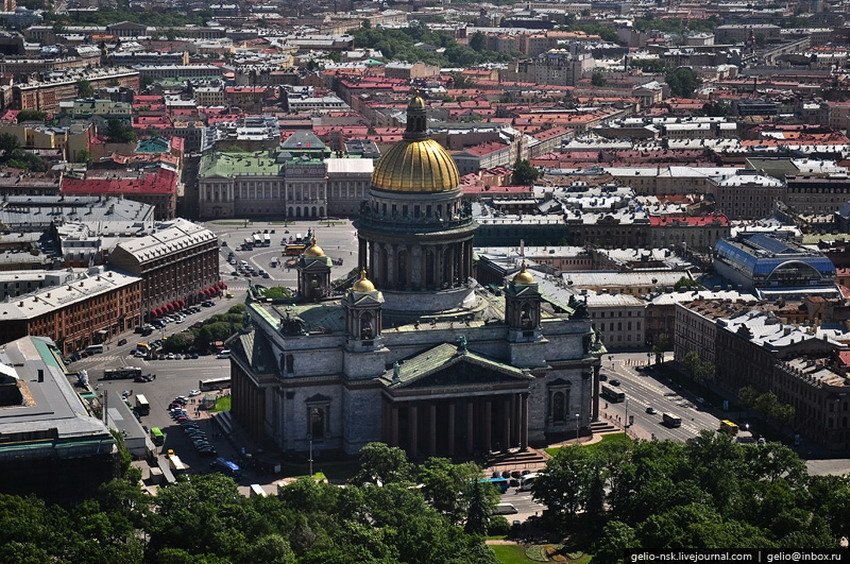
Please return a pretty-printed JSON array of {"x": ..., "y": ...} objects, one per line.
[
  {"x": 177, "y": 465},
  {"x": 143, "y": 407}
]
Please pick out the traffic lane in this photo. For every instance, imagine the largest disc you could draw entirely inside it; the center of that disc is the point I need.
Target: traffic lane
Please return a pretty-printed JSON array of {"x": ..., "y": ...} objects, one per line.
[{"x": 526, "y": 507}]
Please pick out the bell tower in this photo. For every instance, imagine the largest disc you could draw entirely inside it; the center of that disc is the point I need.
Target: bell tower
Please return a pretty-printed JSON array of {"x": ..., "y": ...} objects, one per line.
[
  {"x": 364, "y": 354},
  {"x": 522, "y": 307},
  {"x": 314, "y": 273}
]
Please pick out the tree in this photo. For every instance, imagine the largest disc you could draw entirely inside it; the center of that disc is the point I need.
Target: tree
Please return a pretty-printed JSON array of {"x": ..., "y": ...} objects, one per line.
[
  {"x": 8, "y": 144},
  {"x": 84, "y": 89},
  {"x": 598, "y": 79},
  {"x": 179, "y": 342},
  {"x": 481, "y": 506},
  {"x": 524, "y": 173},
  {"x": 382, "y": 464},
  {"x": 700, "y": 370},
  {"x": 446, "y": 486},
  {"x": 616, "y": 537},
  {"x": 683, "y": 82},
  {"x": 119, "y": 132},
  {"x": 476, "y": 42},
  {"x": 31, "y": 115},
  {"x": 83, "y": 156},
  {"x": 564, "y": 487}
]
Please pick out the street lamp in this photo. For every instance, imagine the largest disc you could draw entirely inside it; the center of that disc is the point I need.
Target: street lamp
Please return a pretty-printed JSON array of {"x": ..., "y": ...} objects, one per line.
[
  {"x": 577, "y": 427},
  {"x": 313, "y": 412}
]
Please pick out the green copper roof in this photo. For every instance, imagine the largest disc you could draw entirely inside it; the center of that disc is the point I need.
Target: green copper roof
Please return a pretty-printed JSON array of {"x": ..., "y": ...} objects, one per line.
[
  {"x": 228, "y": 165},
  {"x": 153, "y": 145}
]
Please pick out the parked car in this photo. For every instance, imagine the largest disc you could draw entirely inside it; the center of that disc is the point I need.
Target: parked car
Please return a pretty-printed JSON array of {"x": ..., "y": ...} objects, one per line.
[
  {"x": 194, "y": 393},
  {"x": 651, "y": 410},
  {"x": 603, "y": 377},
  {"x": 614, "y": 382}
]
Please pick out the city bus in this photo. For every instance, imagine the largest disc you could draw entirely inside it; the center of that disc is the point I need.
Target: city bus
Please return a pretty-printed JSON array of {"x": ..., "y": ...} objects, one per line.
[
  {"x": 214, "y": 384},
  {"x": 143, "y": 407},
  {"x": 125, "y": 373},
  {"x": 671, "y": 420},
  {"x": 612, "y": 395},
  {"x": 501, "y": 483},
  {"x": 728, "y": 427},
  {"x": 94, "y": 349},
  {"x": 258, "y": 240},
  {"x": 267, "y": 240},
  {"x": 248, "y": 244},
  {"x": 157, "y": 436},
  {"x": 294, "y": 250}
]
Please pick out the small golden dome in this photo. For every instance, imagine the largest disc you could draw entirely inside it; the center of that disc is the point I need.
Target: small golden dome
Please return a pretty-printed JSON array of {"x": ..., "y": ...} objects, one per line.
[
  {"x": 314, "y": 250},
  {"x": 363, "y": 284},
  {"x": 523, "y": 276},
  {"x": 417, "y": 102}
]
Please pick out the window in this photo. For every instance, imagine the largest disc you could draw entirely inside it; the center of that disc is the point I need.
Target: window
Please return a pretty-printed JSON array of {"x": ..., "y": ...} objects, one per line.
[{"x": 559, "y": 407}]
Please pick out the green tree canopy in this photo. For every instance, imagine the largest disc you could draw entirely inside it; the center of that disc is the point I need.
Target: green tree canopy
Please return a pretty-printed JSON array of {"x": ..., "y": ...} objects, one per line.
[{"x": 524, "y": 173}]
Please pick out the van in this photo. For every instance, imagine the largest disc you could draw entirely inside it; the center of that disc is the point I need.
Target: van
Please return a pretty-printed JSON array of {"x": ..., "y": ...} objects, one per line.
[
  {"x": 225, "y": 353},
  {"x": 527, "y": 482},
  {"x": 505, "y": 509}
]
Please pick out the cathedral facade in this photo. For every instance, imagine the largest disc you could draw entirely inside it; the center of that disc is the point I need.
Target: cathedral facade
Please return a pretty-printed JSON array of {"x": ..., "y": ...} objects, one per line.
[{"x": 415, "y": 353}]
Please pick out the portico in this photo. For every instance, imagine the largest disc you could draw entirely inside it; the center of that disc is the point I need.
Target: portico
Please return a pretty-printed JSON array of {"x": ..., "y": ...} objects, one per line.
[{"x": 448, "y": 401}]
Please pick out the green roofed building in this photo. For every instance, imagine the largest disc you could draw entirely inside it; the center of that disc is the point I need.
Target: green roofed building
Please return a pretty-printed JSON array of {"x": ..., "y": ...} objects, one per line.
[{"x": 289, "y": 181}]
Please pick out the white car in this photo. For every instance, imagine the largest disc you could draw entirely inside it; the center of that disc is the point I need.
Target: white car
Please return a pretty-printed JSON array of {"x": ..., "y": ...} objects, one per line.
[{"x": 194, "y": 393}]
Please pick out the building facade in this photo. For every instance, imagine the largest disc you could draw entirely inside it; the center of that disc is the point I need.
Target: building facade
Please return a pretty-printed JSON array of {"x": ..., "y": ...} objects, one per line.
[
  {"x": 87, "y": 310},
  {"x": 178, "y": 265}
]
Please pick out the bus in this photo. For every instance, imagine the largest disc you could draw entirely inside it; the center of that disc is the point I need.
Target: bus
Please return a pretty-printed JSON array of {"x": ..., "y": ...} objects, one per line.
[
  {"x": 94, "y": 349},
  {"x": 157, "y": 436},
  {"x": 125, "y": 373},
  {"x": 257, "y": 239},
  {"x": 501, "y": 483},
  {"x": 267, "y": 240},
  {"x": 226, "y": 466},
  {"x": 214, "y": 384},
  {"x": 294, "y": 250},
  {"x": 728, "y": 427},
  {"x": 671, "y": 420},
  {"x": 143, "y": 407},
  {"x": 248, "y": 244},
  {"x": 141, "y": 346},
  {"x": 612, "y": 395}
]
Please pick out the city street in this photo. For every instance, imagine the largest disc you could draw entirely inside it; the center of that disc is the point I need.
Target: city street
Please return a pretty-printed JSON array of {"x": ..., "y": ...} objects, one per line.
[{"x": 643, "y": 391}]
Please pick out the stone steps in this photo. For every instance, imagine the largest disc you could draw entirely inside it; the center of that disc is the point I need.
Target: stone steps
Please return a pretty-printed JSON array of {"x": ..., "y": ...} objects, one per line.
[
  {"x": 604, "y": 428},
  {"x": 517, "y": 459}
]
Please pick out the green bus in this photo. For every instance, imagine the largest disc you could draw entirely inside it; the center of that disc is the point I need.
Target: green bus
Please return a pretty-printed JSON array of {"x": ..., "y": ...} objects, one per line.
[{"x": 157, "y": 436}]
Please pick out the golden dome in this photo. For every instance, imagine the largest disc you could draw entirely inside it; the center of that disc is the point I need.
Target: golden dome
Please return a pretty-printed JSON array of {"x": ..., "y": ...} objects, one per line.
[
  {"x": 523, "y": 276},
  {"x": 416, "y": 166},
  {"x": 363, "y": 284},
  {"x": 314, "y": 250},
  {"x": 416, "y": 163}
]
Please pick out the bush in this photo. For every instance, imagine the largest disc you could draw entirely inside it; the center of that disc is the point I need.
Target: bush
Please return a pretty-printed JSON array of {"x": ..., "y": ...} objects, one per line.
[{"x": 498, "y": 525}]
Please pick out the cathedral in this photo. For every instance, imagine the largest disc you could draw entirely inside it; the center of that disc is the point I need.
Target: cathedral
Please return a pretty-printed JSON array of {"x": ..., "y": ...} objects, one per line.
[{"x": 415, "y": 353}]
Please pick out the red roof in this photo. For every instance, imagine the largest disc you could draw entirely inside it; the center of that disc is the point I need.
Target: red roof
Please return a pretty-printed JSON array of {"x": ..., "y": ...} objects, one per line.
[
  {"x": 163, "y": 181},
  {"x": 689, "y": 220}
]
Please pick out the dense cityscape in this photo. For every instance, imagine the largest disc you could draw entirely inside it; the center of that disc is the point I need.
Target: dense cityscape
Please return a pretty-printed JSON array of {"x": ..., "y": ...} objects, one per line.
[{"x": 425, "y": 281}]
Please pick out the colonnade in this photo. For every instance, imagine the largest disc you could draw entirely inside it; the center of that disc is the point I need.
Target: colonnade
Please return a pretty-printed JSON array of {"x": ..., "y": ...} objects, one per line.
[
  {"x": 450, "y": 426},
  {"x": 395, "y": 266}
]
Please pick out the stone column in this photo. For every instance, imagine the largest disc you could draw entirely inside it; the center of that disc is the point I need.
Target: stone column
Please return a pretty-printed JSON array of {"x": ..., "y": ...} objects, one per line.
[
  {"x": 488, "y": 425},
  {"x": 394, "y": 425},
  {"x": 453, "y": 249},
  {"x": 439, "y": 266},
  {"x": 523, "y": 424},
  {"x": 451, "y": 437},
  {"x": 506, "y": 424},
  {"x": 416, "y": 270},
  {"x": 361, "y": 253},
  {"x": 470, "y": 427},
  {"x": 392, "y": 266},
  {"x": 432, "y": 422},
  {"x": 412, "y": 430}
]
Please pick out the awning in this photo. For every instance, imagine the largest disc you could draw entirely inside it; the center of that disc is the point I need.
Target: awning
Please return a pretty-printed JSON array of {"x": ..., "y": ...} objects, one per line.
[
  {"x": 169, "y": 308},
  {"x": 155, "y": 312},
  {"x": 222, "y": 285}
]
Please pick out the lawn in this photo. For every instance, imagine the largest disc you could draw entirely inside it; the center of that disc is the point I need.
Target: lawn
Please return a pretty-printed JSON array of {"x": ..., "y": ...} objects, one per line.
[
  {"x": 510, "y": 553},
  {"x": 613, "y": 438},
  {"x": 222, "y": 404}
]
